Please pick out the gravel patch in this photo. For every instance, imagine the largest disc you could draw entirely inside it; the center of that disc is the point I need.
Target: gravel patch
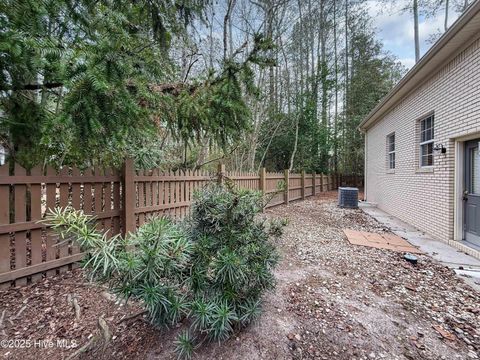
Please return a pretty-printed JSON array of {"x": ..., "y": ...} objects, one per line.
[{"x": 359, "y": 302}]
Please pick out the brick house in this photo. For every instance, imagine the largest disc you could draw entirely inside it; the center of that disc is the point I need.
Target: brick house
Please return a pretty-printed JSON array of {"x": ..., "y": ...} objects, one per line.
[{"x": 422, "y": 161}]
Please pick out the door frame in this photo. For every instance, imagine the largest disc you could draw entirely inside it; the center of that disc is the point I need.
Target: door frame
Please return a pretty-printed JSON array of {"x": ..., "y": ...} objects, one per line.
[
  {"x": 459, "y": 185},
  {"x": 469, "y": 146}
]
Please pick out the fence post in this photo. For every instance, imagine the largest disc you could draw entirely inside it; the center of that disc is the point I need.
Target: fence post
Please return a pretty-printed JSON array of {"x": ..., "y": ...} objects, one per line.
[
  {"x": 321, "y": 182},
  {"x": 129, "y": 195},
  {"x": 263, "y": 181},
  {"x": 287, "y": 186},
  {"x": 314, "y": 183},
  {"x": 221, "y": 173},
  {"x": 262, "y": 185},
  {"x": 303, "y": 184}
]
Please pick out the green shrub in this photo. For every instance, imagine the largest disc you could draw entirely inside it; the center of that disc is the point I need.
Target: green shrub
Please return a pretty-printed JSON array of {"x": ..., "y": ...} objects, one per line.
[
  {"x": 148, "y": 266},
  {"x": 232, "y": 260},
  {"x": 276, "y": 227},
  {"x": 212, "y": 269}
]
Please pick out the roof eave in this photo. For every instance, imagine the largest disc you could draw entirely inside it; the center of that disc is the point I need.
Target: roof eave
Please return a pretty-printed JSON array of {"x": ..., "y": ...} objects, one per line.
[{"x": 421, "y": 67}]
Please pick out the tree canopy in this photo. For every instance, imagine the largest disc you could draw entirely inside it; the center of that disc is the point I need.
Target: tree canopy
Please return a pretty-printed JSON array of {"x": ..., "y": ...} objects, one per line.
[
  {"x": 180, "y": 84},
  {"x": 90, "y": 82}
]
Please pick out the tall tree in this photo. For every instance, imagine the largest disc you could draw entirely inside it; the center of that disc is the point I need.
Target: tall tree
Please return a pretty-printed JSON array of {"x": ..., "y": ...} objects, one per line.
[{"x": 415, "y": 30}]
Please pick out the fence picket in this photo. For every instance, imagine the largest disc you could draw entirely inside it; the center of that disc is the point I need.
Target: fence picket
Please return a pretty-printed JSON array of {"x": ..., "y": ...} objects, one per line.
[
  {"x": 98, "y": 197},
  {"x": 51, "y": 203},
  {"x": 64, "y": 202},
  {"x": 107, "y": 203},
  {"x": 155, "y": 189},
  {"x": 116, "y": 205},
  {"x": 87, "y": 193},
  {"x": 76, "y": 204},
  {"x": 141, "y": 201},
  {"x": 148, "y": 192},
  {"x": 177, "y": 194},
  {"x": 4, "y": 219},
  {"x": 35, "y": 215},
  {"x": 20, "y": 246}
]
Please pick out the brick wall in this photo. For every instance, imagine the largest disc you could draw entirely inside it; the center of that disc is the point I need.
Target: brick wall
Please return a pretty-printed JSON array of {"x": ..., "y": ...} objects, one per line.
[{"x": 422, "y": 198}]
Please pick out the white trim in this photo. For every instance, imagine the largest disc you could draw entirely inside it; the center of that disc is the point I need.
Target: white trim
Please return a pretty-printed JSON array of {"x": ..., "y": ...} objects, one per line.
[
  {"x": 390, "y": 152},
  {"x": 420, "y": 156},
  {"x": 463, "y": 31},
  {"x": 365, "y": 168},
  {"x": 427, "y": 142},
  {"x": 458, "y": 191},
  {"x": 459, "y": 185},
  {"x": 421, "y": 143},
  {"x": 465, "y": 136}
]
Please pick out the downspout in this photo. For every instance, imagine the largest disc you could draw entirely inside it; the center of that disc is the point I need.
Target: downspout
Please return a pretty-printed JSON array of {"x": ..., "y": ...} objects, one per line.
[
  {"x": 365, "y": 169},
  {"x": 363, "y": 131}
]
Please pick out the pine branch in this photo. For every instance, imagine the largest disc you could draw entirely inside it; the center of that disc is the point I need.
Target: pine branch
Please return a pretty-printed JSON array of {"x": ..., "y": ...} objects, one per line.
[{"x": 52, "y": 85}]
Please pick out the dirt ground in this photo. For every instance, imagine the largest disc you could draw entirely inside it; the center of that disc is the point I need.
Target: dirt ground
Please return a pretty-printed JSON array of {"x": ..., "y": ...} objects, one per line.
[{"x": 333, "y": 300}]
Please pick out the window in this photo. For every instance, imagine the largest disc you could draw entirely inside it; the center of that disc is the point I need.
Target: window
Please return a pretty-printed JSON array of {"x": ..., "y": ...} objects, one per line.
[
  {"x": 391, "y": 151},
  {"x": 426, "y": 141}
]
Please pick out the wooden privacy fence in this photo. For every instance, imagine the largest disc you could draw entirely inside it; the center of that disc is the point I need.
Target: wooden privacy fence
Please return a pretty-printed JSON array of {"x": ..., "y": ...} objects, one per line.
[
  {"x": 120, "y": 200},
  {"x": 27, "y": 250}
]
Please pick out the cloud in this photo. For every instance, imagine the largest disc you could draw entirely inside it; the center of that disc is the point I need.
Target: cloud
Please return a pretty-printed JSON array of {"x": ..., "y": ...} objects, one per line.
[
  {"x": 407, "y": 62},
  {"x": 395, "y": 28}
]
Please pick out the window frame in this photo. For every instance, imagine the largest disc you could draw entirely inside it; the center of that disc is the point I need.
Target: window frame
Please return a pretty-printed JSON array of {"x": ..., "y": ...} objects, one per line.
[
  {"x": 391, "y": 153},
  {"x": 424, "y": 143}
]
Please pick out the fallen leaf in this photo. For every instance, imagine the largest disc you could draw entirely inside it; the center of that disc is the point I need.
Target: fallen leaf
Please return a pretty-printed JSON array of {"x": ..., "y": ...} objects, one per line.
[
  {"x": 411, "y": 287},
  {"x": 445, "y": 334}
]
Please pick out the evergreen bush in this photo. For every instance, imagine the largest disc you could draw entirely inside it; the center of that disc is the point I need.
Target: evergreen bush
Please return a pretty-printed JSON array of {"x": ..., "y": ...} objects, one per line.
[
  {"x": 211, "y": 270},
  {"x": 232, "y": 261}
]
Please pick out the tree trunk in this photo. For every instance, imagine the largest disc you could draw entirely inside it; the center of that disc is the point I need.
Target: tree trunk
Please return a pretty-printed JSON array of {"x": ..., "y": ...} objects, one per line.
[
  {"x": 324, "y": 82},
  {"x": 335, "y": 124},
  {"x": 346, "y": 94},
  {"x": 210, "y": 35},
  {"x": 447, "y": 3},
  {"x": 271, "y": 72},
  {"x": 295, "y": 144},
  {"x": 226, "y": 19},
  {"x": 415, "y": 30}
]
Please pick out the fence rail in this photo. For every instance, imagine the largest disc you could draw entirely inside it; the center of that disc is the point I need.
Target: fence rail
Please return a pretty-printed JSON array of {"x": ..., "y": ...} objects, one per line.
[{"x": 120, "y": 200}]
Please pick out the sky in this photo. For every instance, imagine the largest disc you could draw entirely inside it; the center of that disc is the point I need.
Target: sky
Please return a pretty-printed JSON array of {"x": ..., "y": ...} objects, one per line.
[{"x": 395, "y": 29}]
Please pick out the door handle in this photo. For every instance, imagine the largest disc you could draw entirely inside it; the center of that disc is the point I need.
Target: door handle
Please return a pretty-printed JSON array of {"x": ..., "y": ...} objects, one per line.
[{"x": 465, "y": 193}]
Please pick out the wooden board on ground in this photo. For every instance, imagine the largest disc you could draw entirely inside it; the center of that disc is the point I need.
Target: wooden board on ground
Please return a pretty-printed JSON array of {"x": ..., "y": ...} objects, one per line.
[{"x": 387, "y": 241}]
